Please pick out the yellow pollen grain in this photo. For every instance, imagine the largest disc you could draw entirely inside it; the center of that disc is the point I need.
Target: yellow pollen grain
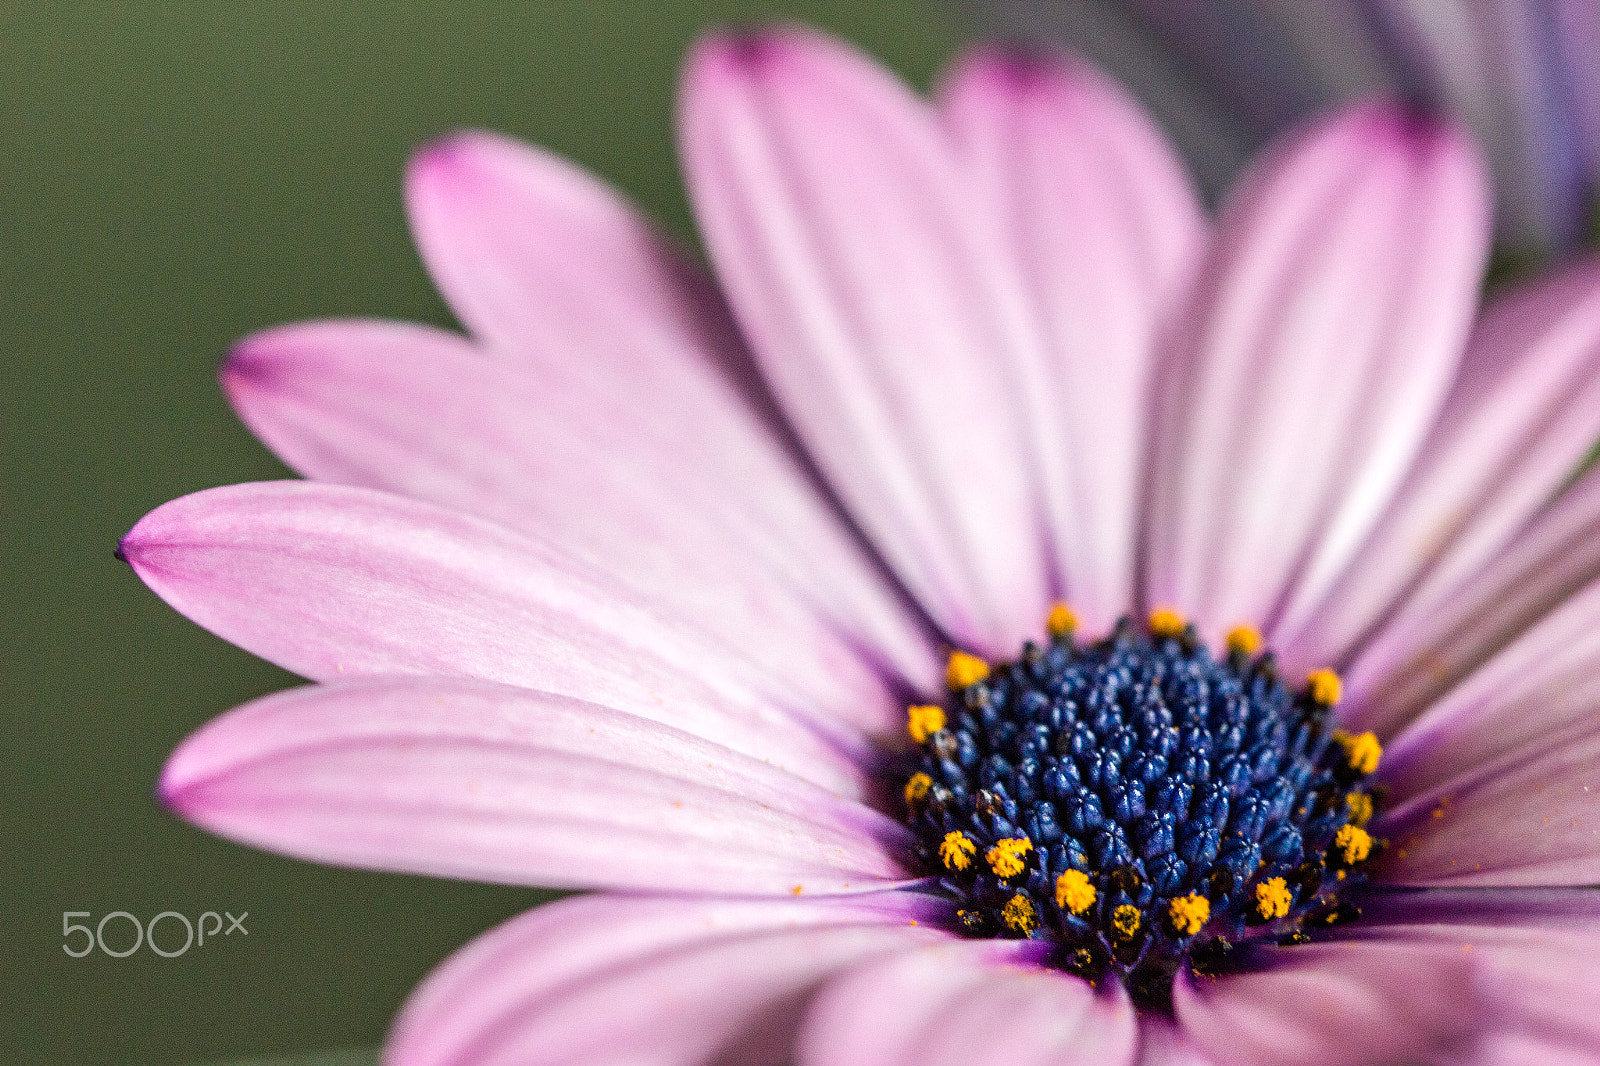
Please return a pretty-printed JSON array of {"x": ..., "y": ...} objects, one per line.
[
  {"x": 917, "y": 786},
  {"x": 924, "y": 721},
  {"x": 1074, "y": 893},
  {"x": 1360, "y": 805},
  {"x": 1362, "y": 751},
  {"x": 1189, "y": 913},
  {"x": 1005, "y": 858},
  {"x": 1019, "y": 915},
  {"x": 1244, "y": 640},
  {"x": 1324, "y": 687},
  {"x": 956, "y": 850},
  {"x": 1273, "y": 898},
  {"x": 1167, "y": 622},
  {"x": 1125, "y": 921},
  {"x": 1354, "y": 844},
  {"x": 963, "y": 670},
  {"x": 1061, "y": 620}
]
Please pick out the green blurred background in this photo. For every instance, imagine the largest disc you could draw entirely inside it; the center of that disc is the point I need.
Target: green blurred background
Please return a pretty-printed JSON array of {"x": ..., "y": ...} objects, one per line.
[{"x": 172, "y": 177}]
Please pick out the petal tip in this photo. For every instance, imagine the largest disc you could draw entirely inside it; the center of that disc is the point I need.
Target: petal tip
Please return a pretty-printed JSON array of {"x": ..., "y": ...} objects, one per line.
[
  {"x": 172, "y": 786},
  {"x": 1394, "y": 125},
  {"x": 446, "y": 163},
  {"x": 245, "y": 365}
]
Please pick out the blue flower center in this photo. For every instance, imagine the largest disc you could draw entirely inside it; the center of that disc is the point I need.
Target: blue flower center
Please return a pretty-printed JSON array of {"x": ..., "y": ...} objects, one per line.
[{"x": 1140, "y": 802}]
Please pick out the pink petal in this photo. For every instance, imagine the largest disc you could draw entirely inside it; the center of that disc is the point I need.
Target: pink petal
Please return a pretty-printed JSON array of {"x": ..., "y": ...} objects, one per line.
[
  {"x": 464, "y": 778},
  {"x": 966, "y": 1004},
  {"x": 1336, "y": 1004},
  {"x": 883, "y": 311},
  {"x": 542, "y": 260},
  {"x": 1328, "y": 323},
  {"x": 628, "y": 349},
  {"x": 738, "y": 547},
  {"x": 336, "y": 582},
  {"x": 1162, "y": 1043},
  {"x": 648, "y": 982},
  {"x": 1529, "y": 817},
  {"x": 1420, "y": 656},
  {"x": 1524, "y": 410},
  {"x": 1532, "y": 953},
  {"x": 1547, "y": 681},
  {"x": 1107, "y": 229}
]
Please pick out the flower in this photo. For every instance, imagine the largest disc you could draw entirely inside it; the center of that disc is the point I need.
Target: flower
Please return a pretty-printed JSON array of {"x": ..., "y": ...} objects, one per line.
[
  {"x": 1225, "y": 75},
  {"x": 782, "y": 673}
]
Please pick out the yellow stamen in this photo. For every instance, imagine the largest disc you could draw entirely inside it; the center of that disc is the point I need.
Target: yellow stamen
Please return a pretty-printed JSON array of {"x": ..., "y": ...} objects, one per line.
[
  {"x": 1244, "y": 640},
  {"x": 917, "y": 786},
  {"x": 1325, "y": 687},
  {"x": 1167, "y": 622},
  {"x": 1360, "y": 805},
  {"x": 1361, "y": 751},
  {"x": 956, "y": 850},
  {"x": 1018, "y": 914},
  {"x": 1125, "y": 921},
  {"x": 1273, "y": 898},
  {"x": 963, "y": 670},
  {"x": 1005, "y": 858},
  {"x": 1061, "y": 621},
  {"x": 1354, "y": 844},
  {"x": 1074, "y": 893},
  {"x": 924, "y": 721},
  {"x": 1189, "y": 913}
]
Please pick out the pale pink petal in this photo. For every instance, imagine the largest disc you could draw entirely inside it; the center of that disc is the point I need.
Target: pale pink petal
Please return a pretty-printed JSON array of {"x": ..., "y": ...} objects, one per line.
[
  {"x": 1327, "y": 326},
  {"x": 1531, "y": 816},
  {"x": 421, "y": 412},
  {"x": 1337, "y": 1004},
  {"x": 1532, "y": 953},
  {"x": 465, "y": 778},
  {"x": 1524, "y": 410},
  {"x": 1161, "y": 1043},
  {"x": 884, "y": 313},
  {"x": 557, "y": 272},
  {"x": 1545, "y": 682},
  {"x": 335, "y": 582},
  {"x": 628, "y": 349},
  {"x": 1107, "y": 227},
  {"x": 1420, "y": 656},
  {"x": 645, "y": 982},
  {"x": 985, "y": 1003}
]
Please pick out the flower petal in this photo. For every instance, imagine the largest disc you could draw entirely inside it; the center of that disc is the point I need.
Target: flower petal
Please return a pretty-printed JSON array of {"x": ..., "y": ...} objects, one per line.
[
  {"x": 1421, "y": 656},
  {"x": 463, "y": 778},
  {"x": 1524, "y": 410},
  {"x": 1334, "y": 1004},
  {"x": 1163, "y": 1044},
  {"x": 966, "y": 1004},
  {"x": 1280, "y": 440},
  {"x": 336, "y": 582},
  {"x": 541, "y": 260},
  {"x": 736, "y": 546},
  {"x": 642, "y": 981},
  {"x": 1528, "y": 817},
  {"x": 1107, "y": 228},
  {"x": 1533, "y": 955},
  {"x": 1543, "y": 684},
  {"x": 884, "y": 314}
]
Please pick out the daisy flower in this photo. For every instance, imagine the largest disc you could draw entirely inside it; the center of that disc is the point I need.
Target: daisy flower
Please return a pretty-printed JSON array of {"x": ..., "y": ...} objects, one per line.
[{"x": 1005, "y": 617}]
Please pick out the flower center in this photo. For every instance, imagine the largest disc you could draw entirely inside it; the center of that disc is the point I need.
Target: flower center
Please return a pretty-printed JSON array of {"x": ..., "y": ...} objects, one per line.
[{"x": 1138, "y": 801}]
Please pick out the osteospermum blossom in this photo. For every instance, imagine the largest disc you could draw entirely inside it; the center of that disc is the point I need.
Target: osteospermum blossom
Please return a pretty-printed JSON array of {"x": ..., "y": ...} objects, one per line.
[{"x": 876, "y": 691}]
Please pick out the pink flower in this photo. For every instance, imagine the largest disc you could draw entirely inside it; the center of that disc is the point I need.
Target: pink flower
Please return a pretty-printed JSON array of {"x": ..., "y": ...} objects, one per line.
[{"x": 588, "y": 606}]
